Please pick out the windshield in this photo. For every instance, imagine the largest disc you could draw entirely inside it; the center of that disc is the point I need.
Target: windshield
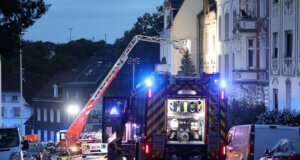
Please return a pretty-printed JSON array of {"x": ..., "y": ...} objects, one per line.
[
  {"x": 295, "y": 145},
  {"x": 33, "y": 149},
  {"x": 9, "y": 138},
  {"x": 40, "y": 146}
]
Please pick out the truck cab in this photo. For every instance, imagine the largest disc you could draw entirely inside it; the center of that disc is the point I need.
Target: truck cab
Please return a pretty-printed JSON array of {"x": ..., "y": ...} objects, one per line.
[{"x": 10, "y": 144}]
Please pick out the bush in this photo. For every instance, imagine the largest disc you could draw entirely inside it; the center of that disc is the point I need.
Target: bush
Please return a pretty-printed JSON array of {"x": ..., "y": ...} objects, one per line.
[
  {"x": 243, "y": 112},
  {"x": 284, "y": 117}
]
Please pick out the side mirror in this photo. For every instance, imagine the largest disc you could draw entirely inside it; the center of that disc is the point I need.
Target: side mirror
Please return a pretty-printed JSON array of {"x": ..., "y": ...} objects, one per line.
[{"x": 267, "y": 151}]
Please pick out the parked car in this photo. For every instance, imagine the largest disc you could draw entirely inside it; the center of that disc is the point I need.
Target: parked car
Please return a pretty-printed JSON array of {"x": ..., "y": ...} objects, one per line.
[
  {"x": 10, "y": 145},
  {"x": 27, "y": 155},
  {"x": 250, "y": 141},
  {"x": 35, "y": 151},
  {"x": 285, "y": 149}
]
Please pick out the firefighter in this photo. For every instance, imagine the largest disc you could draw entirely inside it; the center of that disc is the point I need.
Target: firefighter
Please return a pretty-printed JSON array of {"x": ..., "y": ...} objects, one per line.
[{"x": 51, "y": 148}]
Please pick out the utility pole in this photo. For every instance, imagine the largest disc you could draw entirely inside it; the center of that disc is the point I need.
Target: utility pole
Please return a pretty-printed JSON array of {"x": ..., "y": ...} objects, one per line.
[
  {"x": 0, "y": 92},
  {"x": 133, "y": 61},
  {"x": 105, "y": 37},
  {"x": 70, "y": 30},
  {"x": 21, "y": 87}
]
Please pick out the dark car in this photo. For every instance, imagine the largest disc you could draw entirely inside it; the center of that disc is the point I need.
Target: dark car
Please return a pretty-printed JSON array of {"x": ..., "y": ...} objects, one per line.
[
  {"x": 35, "y": 151},
  {"x": 285, "y": 149}
]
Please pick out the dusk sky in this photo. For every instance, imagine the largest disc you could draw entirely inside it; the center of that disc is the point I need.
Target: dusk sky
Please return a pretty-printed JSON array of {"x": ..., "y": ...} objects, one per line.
[{"x": 89, "y": 18}]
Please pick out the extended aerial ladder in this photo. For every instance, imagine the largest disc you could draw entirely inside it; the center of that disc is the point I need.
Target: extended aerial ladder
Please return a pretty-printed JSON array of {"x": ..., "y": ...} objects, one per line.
[{"x": 73, "y": 133}]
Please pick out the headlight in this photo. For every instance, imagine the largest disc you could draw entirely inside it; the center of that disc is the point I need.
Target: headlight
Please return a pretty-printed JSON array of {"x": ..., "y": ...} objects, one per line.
[
  {"x": 74, "y": 149},
  {"x": 15, "y": 156}
]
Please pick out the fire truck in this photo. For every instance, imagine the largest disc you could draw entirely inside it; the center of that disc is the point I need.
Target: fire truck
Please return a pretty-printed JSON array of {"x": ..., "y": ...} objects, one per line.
[
  {"x": 180, "y": 117},
  {"x": 74, "y": 132}
]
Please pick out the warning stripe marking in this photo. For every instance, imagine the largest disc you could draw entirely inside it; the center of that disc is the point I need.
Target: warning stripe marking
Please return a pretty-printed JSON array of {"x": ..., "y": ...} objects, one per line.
[
  {"x": 156, "y": 117},
  {"x": 155, "y": 97},
  {"x": 154, "y": 107},
  {"x": 155, "y": 125}
]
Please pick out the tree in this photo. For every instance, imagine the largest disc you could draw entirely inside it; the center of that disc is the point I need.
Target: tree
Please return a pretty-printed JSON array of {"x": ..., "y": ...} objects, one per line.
[
  {"x": 284, "y": 117},
  {"x": 150, "y": 25},
  {"x": 241, "y": 112},
  {"x": 15, "y": 17},
  {"x": 187, "y": 66}
]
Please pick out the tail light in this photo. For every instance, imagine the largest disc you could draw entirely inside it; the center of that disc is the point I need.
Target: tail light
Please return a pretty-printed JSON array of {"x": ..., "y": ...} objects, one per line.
[
  {"x": 149, "y": 93},
  {"x": 147, "y": 149},
  {"x": 222, "y": 95},
  {"x": 223, "y": 150}
]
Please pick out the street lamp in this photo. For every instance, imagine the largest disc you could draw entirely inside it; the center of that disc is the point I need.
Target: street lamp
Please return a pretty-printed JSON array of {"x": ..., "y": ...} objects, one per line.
[{"x": 73, "y": 109}]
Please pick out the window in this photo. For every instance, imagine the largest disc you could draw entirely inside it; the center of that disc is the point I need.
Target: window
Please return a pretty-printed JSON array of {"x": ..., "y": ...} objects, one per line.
[
  {"x": 45, "y": 114},
  {"x": 233, "y": 61},
  {"x": 77, "y": 94},
  {"x": 52, "y": 136},
  {"x": 251, "y": 53},
  {"x": 275, "y": 96},
  {"x": 275, "y": 45},
  {"x": 240, "y": 135},
  {"x": 227, "y": 26},
  {"x": 250, "y": 58},
  {"x": 227, "y": 67},
  {"x": 289, "y": 44},
  {"x": 45, "y": 136},
  {"x": 220, "y": 64},
  {"x": 51, "y": 115},
  {"x": 39, "y": 114},
  {"x": 16, "y": 111},
  {"x": 220, "y": 28},
  {"x": 58, "y": 116},
  {"x": 288, "y": 94},
  {"x": 32, "y": 131},
  {"x": 40, "y": 134},
  {"x": 14, "y": 98},
  {"x": 3, "y": 112}
]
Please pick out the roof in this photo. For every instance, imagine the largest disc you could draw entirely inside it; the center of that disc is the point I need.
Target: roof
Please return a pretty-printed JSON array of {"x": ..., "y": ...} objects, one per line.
[
  {"x": 89, "y": 72},
  {"x": 176, "y": 4}
]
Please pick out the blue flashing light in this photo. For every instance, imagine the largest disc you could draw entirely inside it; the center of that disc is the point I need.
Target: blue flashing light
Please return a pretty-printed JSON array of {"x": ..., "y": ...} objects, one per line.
[
  {"x": 114, "y": 111},
  {"x": 223, "y": 84},
  {"x": 148, "y": 82}
]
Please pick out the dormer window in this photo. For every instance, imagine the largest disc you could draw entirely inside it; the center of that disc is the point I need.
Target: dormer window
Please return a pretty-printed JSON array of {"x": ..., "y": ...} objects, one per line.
[{"x": 55, "y": 90}]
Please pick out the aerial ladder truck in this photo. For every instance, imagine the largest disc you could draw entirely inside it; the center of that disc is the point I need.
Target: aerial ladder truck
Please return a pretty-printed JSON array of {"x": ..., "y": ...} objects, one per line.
[{"x": 74, "y": 131}]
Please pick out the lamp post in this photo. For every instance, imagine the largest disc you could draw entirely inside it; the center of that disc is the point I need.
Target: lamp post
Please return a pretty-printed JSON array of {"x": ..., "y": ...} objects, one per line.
[
  {"x": 133, "y": 61},
  {"x": 21, "y": 86},
  {"x": 72, "y": 110}
]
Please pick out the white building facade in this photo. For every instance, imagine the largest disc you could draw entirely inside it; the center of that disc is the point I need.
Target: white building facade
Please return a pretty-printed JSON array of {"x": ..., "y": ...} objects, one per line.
[
  {"x": 11, "y": 110},
  {"x": 242, "y": 48},
  {"x": 285, "y": 54}
]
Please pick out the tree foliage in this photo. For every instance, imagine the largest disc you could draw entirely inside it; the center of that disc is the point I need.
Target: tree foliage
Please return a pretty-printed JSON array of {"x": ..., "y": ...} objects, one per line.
[
  {"x": 15, "y": 17},
  {"x": 241, "y": 112},
  {"x": 187, "y": 66},
  {"x": 284, "y": 117}
]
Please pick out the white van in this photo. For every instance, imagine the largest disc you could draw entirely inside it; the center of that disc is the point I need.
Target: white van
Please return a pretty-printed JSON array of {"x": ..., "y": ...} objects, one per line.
[
  {"x": 10, "y": 145},
  {"x": 250, "y": 141}
]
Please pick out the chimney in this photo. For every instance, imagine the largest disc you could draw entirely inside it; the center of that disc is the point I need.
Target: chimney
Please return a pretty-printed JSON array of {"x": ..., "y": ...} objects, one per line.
[{"x": 55, "y": 90}]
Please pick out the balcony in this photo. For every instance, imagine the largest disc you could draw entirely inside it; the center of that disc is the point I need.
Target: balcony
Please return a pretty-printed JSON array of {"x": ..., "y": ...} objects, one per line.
[
  {"x": 275, "y": 66},
  {"x": 288, "y": 67},
  {"x": 250, "y": 76},
  {"x": 245, "y": 25}
]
